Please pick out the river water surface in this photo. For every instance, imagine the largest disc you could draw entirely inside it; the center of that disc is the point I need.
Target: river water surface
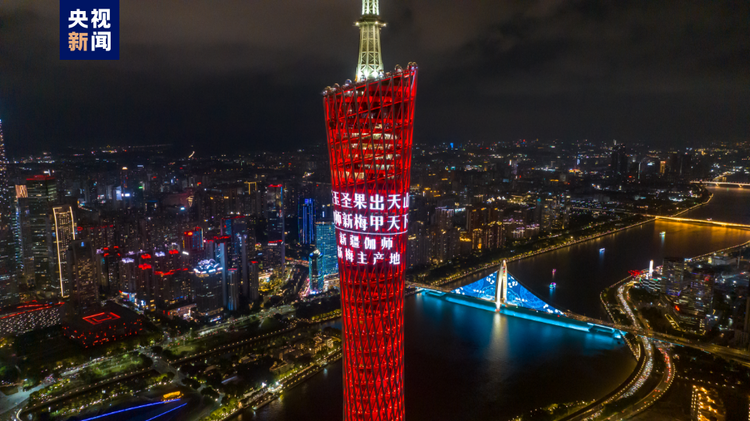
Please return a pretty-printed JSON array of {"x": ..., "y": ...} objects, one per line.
[{"x": 463, "y": 363}]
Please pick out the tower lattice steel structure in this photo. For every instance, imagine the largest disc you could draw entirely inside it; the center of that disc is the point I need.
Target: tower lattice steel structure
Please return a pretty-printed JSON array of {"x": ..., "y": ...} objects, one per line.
[
  {"x": 369, "y": 126},
  {"x": 370, "y": 63}
]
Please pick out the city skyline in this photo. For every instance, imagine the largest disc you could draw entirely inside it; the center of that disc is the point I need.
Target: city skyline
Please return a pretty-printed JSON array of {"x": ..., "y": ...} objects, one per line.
[
  {"x": 659, "y": 74},
  {"x": 227, "y": 219}
]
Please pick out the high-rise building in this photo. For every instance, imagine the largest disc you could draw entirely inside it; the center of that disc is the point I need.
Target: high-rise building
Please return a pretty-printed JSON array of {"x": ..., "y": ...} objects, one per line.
[
  {"x": 673, "y": 276},
  {"x": 111, "y": 263},
  {"x": 84, "y": 277},
  {"x": 419, "y": 245},
  {"x": 221, "y": 256},
  {"x": 207, "y": 285},
  {"x": 64, "y": 233},
  {"x": 369, "y": 130},
  {"x": 620, "y": 162},
  {"x": 275, "y": 219},
  {"x": 241, "y": 246},
  {"x": 145, "y": 283},
  {"x": 315, "y": 276},
  {"x": 192, "y": 244},
  {"x": 8, "y": 282},
  {"x": 306, "y": 221},
  {"x": 42, "y": 191},
  {"x": 252, "y": 291},
  {"x": 232, "y": 301},
  {"x": 325, "y": 242}
]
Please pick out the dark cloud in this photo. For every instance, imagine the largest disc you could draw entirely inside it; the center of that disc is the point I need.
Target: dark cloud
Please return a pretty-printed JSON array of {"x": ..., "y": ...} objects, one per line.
[{"x": 240, "y": 75}]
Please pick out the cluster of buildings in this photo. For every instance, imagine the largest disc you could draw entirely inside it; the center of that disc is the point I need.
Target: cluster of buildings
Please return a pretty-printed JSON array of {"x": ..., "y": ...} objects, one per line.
[
  {"x": 706, "y": 292},
  {"x": 188, "y": 240},
  {"x": 452, "y": 229}
]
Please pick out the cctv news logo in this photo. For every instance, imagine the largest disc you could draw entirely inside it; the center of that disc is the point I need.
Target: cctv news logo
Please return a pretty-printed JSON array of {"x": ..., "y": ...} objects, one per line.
[{"x": 89, "y": 29}]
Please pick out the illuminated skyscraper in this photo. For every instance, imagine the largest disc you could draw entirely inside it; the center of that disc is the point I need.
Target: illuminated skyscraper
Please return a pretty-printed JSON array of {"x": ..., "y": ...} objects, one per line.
[
  {"x": 315, "y": 275},
  {"x": 192, "y": 244},
  {"x": 252, "y": 290},
  {"x": 83, "y": 277},
  {"x": 241, "y": 242},
  {"x": 64, "y": 232},
  {"x": 306, "y": 217},
  {"x": 42, "y": 191},
  {"x": 232, "y": 290},
  {"x": 369, "y": 126},
  {"x": 207, "y": 285},
  {"x": 325, "y": 242},
  {"x": 8, "y": 285},
  {"x": 275, "y": 218},
  {"x": 673, "y": 276}
]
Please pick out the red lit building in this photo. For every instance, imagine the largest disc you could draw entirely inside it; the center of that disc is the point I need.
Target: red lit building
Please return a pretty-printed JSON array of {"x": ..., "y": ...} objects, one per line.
[
  {"x": 112, "y": 323},
  {"x": 369, "y": 127}
]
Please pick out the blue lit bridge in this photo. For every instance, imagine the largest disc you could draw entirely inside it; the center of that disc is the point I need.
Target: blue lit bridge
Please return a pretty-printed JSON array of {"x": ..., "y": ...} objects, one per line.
[{"x": 500, "y": 292}]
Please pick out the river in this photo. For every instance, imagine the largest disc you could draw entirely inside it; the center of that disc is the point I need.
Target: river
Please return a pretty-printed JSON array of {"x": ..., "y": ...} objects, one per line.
[{"x": 468, "y": 364}]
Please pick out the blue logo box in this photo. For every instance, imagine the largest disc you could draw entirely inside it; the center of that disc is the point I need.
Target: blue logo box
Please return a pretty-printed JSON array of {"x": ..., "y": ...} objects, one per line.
[{"x": 89, "y": 29}]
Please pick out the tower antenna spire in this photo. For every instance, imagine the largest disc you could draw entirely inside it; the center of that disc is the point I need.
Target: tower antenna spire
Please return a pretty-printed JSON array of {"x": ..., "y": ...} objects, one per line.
[{"x": 370, "y": 63}]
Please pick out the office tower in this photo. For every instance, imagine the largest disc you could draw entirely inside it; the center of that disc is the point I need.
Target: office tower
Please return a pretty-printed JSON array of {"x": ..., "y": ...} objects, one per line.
[
  {"x": 207, "y": 286},
  {"x": 128, "y": 278},
  {"x": 315, "y": 275},
  {"x": 63, "y": 235},
  {"x": 173, "y": 286},
  {"x": 272, "y": 255},
  {"x": 192, "y": 244},
  {"x": 241, "y": 245},
  {"x": 325, "y": 242},
  {"x": 145, "y": 284},
  {"x": 306, "y": 220},
  {"x": 8, "y": 283},
  {"x": 222, "y": 259},
  {"x": 275, "y": 219},
  {"x": 232, "y": 301},
  {"x": 673, "y": 276},
  {"x": 252, "y": 292},
  {"x": 369, "y": 129},
  {"x": 84, "y": 276},
  {"x": 111, "y": 263},
  {"x": 42, "y": 191},
  {"x": 620, "y": 162}
]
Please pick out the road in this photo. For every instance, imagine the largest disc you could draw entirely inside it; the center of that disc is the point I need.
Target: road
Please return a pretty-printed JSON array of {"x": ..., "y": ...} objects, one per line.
[{"x": 644, "y": 403}]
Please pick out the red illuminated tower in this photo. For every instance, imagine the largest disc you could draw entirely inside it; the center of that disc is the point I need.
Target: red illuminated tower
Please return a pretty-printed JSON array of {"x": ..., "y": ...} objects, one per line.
[{"x": 369, "y": 126}]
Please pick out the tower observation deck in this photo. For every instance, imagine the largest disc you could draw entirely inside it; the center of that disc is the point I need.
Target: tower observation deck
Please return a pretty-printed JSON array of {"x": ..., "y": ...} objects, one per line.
[{"x": 369, "y": 129}]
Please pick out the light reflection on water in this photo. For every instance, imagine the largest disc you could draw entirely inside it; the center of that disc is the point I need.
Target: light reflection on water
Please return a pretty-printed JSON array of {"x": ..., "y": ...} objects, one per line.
[
  {"x": 478, "y": 365},
  {"x": 466, "y": 363}
]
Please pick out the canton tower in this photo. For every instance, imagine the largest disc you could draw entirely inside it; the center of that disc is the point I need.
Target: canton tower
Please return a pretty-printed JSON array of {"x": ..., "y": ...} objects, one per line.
[{"x": 369, "y": 128}]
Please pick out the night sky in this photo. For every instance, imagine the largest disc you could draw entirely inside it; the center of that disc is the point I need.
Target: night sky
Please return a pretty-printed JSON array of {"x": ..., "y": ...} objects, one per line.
[{"x": 247, "y": 75}]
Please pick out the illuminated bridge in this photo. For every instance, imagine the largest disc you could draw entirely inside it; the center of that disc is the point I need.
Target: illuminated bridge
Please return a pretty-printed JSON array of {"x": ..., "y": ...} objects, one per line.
[
  {"x": 701, "y": 221},
  {"x": 501, "y": 292},
  {"x": 722, "y": 183}
]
